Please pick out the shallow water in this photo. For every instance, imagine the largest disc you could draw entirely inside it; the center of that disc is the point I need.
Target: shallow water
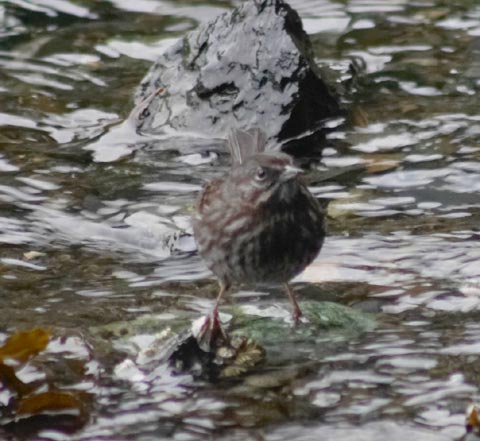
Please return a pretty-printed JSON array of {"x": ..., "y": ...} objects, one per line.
[{"x": 102, "y": 209}]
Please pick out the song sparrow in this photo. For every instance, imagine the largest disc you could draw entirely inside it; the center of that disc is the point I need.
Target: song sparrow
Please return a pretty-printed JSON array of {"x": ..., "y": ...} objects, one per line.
[{"x": 259, "y": 224}]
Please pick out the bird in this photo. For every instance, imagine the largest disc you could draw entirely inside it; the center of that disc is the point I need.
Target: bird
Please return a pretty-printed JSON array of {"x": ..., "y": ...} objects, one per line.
[{"x": 258, "y": 224}]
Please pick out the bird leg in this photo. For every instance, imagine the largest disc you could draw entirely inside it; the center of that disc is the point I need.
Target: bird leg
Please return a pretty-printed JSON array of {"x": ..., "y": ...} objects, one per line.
[
  {"x": 211, "y": 330},
  {"x": 297, "y": 312}
]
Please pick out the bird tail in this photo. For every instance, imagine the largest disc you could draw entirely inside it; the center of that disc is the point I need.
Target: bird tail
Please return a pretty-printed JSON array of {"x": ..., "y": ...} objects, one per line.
[{"x": 245, "y": 143}]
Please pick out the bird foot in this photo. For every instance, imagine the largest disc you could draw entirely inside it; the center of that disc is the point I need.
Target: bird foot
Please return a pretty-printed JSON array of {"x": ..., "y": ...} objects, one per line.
[
  {"x": 297, "y": 317},
  {"x": 209, "y": 332}
]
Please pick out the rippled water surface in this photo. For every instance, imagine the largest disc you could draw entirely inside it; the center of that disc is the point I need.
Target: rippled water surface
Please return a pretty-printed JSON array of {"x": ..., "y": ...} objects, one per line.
[{"x": 94, "y": 223}]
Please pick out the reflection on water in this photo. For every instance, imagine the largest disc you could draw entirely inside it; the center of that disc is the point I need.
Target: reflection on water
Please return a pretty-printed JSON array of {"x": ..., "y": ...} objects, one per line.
[{"x": 94, "y": 221}]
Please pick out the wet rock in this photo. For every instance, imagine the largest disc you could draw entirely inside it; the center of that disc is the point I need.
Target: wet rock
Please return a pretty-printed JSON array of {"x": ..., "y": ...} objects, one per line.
[
  {"x": 329, "y": 315},
  {"x": 246, "y": 341},
  {"x": 251, "y": 67},
  {"x": 223, "y": 357},
  {"x": 230, "y": 359},
  {"x": 319, "y": 317},
  {"x": 153, "y": 340}
]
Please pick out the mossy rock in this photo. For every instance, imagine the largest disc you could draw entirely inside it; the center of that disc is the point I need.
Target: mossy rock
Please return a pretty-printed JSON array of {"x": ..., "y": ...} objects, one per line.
[{"x": 321, "y": 319}]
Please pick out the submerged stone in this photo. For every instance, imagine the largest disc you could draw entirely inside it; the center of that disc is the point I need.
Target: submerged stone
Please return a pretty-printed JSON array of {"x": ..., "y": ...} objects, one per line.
[
  {"x": 331, "y": 316},
  {"x": 250, "y": 67},
  {"x": 320, "y": 318},
  {"x": 246, "y": 342}
]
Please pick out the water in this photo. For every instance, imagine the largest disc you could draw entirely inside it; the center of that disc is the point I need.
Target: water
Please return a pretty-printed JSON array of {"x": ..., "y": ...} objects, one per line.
[{"x": 403, "y": 224}]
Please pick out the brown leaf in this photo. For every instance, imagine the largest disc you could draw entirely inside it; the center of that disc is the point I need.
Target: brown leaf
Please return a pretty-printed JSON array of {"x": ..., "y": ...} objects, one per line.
[
  {"x": 11, "y": 381},
  {"x": 25, "y": 344},
  {"x": 50, "y": 401}
]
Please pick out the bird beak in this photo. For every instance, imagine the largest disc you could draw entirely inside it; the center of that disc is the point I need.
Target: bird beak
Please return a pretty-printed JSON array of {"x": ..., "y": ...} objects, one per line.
[{"x": 290, "y": 172}]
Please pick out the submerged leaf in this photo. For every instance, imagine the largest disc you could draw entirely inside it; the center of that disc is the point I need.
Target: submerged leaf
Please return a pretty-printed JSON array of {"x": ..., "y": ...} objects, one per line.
[
  {"x": 11, "y": 381},
  {"x": 51, "y": 402},
  {"x": 25, "y": 344}
]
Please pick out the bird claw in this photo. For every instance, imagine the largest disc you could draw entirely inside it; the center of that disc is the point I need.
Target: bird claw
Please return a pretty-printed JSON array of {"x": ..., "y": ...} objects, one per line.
[
  {"x": 209, "y": 332},
  {"x": 297, "y": 317}
]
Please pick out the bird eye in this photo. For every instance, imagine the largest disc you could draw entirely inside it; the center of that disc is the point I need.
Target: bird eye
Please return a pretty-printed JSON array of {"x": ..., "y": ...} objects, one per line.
[{"x": 261, "y": 174}]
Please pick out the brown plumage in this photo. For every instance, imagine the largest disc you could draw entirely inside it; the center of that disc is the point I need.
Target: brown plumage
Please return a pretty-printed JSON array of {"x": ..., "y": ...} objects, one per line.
[{"x": 259, "y": 224}]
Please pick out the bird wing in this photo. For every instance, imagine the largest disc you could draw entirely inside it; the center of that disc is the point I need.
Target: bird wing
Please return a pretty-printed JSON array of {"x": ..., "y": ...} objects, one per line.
[{"x": 245, "y": 143}]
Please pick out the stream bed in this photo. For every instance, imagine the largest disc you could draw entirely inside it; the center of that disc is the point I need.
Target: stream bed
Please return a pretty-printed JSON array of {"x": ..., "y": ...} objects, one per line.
[{"x": 96, "y": 246}]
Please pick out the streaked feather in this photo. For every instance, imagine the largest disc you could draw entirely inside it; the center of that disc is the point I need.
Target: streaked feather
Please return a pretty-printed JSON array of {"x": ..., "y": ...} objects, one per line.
[{"x": 245, "y": 143}]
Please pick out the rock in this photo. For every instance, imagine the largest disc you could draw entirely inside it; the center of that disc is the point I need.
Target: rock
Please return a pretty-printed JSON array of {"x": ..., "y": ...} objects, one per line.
[
  {"x": 250, "y": 67},
  {"x": 170, "y": 340},
  {"x": 247, "y": 341},
  {"x": 320, "y": 317},
  {"x": 334, "y": 316}
]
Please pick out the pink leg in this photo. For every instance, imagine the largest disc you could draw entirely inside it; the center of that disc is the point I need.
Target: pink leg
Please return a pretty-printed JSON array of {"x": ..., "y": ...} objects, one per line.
[
  {"x": 211, "y": 329},
  {"x": 223, "y": 290},
  {"x": 297, "y": 312}
]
